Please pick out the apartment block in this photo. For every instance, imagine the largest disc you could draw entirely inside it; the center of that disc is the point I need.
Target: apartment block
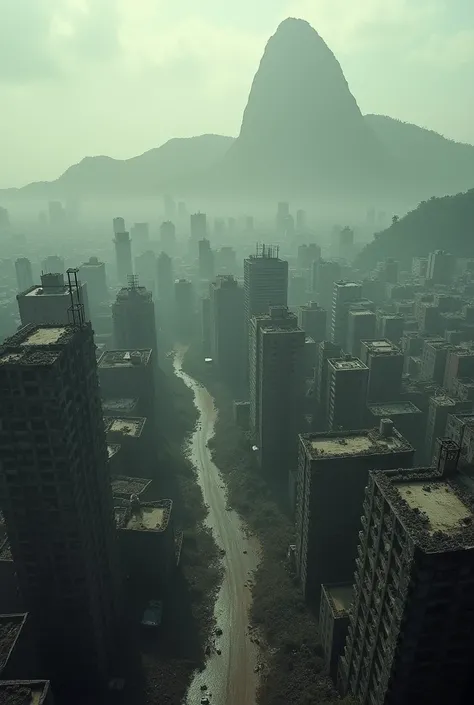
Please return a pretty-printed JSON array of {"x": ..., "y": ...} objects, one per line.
[{"x": 333, "y": 470}]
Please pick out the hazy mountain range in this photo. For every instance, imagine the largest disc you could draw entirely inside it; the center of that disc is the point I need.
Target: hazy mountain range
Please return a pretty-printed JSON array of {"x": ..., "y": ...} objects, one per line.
[{"x": 302, "y": 133}]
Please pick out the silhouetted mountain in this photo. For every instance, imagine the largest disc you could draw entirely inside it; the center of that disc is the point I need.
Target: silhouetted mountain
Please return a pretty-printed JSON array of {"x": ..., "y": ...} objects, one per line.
[
  {"x": 177, "y": 161},
  {"x": 432, "y": 164},
  {"x": 302, "y": 135},
  {"x": 438, "y": 224},
  {"x": 302, "y": 127}
]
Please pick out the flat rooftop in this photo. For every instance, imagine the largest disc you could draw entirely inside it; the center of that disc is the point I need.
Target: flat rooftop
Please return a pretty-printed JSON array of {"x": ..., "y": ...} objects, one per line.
[
  {"x": 340, "y": 597},
  {"x": 394, "y": 408},
  {"x": 437, "y": 501},
  {"x": 437, "y": 512},
  {"x": 45, "y": 336},
  {"x": 36, "y": 345},
  {"x": 131, "y": 426},
  {"x": 115, "y": 406},
  {"x": 347, "y": 364},
  {"x": 339, "y": 444},
  {"x": 10, "y": 627},
  {"x": 381, "y": 346},
  {"x": 47, "y": 291},
  {"x": 151, "y": 516},
  {"x": 124, "y": 358},
  {"x": 126, "y": 486},
  {"x": 23, "y": 692}
]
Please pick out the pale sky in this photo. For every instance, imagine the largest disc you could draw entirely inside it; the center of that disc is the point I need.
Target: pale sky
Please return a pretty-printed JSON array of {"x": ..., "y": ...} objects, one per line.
[{"x": 118, "y": 77}]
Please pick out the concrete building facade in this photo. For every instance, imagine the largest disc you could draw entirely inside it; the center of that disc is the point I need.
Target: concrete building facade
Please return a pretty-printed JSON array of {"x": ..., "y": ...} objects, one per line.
[
  {"x": 347, "y": 393},
  {"x": 411, "y": 624},
  {"x": 227, "y": 333},
  {"x": 56, "y": 498},
  {"x": 332, "y": 474}
]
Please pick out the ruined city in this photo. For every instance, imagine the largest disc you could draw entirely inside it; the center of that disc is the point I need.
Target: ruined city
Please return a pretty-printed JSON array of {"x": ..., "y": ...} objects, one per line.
[{"x": 237, "y": 399}]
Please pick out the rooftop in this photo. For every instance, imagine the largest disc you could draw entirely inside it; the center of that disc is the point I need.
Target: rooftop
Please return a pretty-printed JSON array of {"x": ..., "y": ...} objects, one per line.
[
  {"x": 151, "y": 516},
  {"x": 438, "y": 513},
  {"x": 38, "y": 290},
  {"x": 340, "y": 596},
  {"x": 126, "y": 425},
  {"x": 123, "y": 486},
  {"x": 10, "y": 627},
  {"x": 355, "y": 443},
  {"x": 444, "y": 510},
  {"x": 36, "y": 345},
  {"x": 124, "y": 358},
  {"x": 23, "y": 692},
  {"x": 394, "y": 408},
  {"x": 347, "y": 364},
  {"x": 381, "y": 347}
]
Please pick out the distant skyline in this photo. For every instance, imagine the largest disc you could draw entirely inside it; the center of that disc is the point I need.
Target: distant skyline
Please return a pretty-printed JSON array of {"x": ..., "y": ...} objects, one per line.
[{"x": 118, "y": 77}]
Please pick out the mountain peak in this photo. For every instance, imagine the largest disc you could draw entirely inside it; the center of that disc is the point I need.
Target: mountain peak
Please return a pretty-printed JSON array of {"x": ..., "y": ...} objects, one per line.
[{"x": 301, "y": 122}]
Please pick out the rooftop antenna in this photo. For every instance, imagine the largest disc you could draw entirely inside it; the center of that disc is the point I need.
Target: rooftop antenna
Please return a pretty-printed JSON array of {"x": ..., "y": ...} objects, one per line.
[{"x": 76, "y": 309}]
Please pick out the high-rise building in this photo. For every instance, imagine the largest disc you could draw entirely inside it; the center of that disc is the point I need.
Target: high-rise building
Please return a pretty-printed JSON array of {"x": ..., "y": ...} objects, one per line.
[
  {"x": 390, "y": 326},
  {"x": 345, "y": 243},
  {"x": 118, "y": 225},
  {"x": 184, "y": 309},
  {"x": 226, "y": 261},
  {"x": 313, "y": 320},
  {"x": 227, "y": 330},
  {"x": 307, "y": 255},
  {"x": 344, "y": 294},
  {"x": 347, "y": 393},
  {"x": 133, "y": 314},
  {"x": 92, "y": 273},
  {"x": 298, "y": 293},
  {"x": 281, "y": 316},
  {"x": 198, "y": 223},
  {"x": 56, "y": 499},
  {"x": 129, "y": 374},
  {"x": 206, "y": 260},
  {"x": 361, "y": 325},
  {"x": 441, "y": 267},
  {"x": 327, "y": 350},
  {"x": 168, "y": 236},
  {"x": 385, "y": 362},
  {"x": 459, "y": 364},
  {"x": 123, "y": 251},
  {"x": 440, "y": 406},
  {"x": 51, "y": 302},
  {"x": 301, "y": 220},
  {"x": 283, "y": 211},
  {"x": 325, "y": 274},
  {"x": 265, "y": 283},
  {"x": 279, "y": 394},
  {"x": 412, "y": 617},
  {"x": 145, "y": 269},
  {"x": 56, "y": 214},
  {"x": 24, "y": 275},
  {"x": 333, "y": 469},
  {"x": 165, "y": 283},
  {"x": 53, "y": 265},
  {"x": 140, "y": 234}
]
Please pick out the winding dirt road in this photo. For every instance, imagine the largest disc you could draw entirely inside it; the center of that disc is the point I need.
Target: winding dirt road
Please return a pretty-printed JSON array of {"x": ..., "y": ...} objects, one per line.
[{"x": 229, "y": 676}]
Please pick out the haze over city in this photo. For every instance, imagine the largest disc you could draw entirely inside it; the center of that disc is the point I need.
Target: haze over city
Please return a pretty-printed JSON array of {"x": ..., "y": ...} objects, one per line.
[
  {"x": 118, "y": 78},
  {"x": 236, "y": 352}
]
